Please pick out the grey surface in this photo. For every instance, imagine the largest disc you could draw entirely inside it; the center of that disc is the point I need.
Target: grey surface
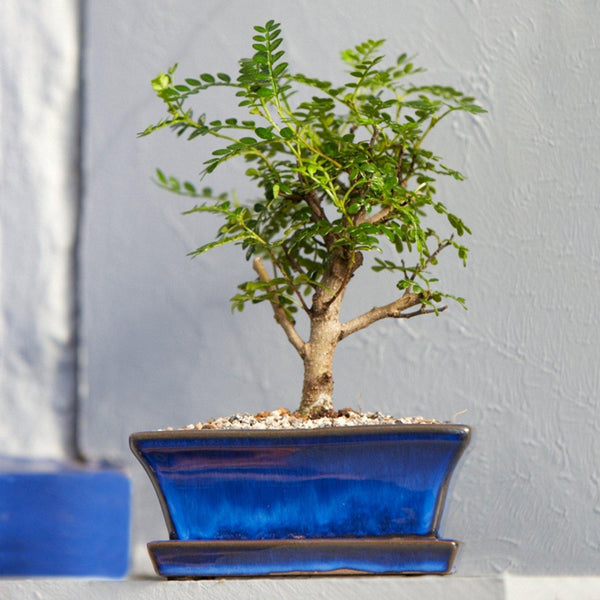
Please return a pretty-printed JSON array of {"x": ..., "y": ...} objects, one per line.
[
  {"x": 160, "y": 343},
  {"x": 307, "y": 589},
  {"x": 399, "y": 588}
]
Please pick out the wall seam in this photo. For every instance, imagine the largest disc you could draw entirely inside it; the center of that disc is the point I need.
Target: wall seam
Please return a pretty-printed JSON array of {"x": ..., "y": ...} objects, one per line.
[{"x": 78, "y": 388}]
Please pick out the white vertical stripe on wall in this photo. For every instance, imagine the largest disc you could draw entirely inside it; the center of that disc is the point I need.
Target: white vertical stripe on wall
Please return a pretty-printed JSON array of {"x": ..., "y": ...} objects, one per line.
[{"x": 39, "y": 53}]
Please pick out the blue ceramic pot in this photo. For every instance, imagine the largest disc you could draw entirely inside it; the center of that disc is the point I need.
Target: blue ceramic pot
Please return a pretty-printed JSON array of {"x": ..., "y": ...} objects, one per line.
[{"x": 339, "y": 500}]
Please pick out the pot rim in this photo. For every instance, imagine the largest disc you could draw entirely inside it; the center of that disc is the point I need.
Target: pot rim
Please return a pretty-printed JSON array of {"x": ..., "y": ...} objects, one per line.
[{"x": 350, "y": 430}]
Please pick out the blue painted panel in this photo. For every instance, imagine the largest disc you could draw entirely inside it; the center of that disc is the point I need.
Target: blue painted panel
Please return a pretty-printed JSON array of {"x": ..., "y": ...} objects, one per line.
[{"x": 61, "y": 519}]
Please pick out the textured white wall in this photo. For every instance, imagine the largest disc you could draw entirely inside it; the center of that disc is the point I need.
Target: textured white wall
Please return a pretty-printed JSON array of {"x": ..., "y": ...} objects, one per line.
[
  {"x": 39, "y": 50},
  {"x": 162, "y": 348}
]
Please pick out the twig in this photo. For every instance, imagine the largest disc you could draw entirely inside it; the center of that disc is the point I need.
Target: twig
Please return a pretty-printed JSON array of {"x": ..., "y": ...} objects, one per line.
[
  {"x": 298, "y": 268},
  {"x": 278, "y": 312},
  {"x": 420, "y": 268},
  {"x": 373, "y": 139},
  {"x": 399, "y": 163}
]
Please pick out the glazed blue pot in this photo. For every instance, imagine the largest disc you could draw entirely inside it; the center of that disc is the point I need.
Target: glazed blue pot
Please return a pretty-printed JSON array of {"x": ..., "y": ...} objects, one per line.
[{"x": 364, "y": 500}]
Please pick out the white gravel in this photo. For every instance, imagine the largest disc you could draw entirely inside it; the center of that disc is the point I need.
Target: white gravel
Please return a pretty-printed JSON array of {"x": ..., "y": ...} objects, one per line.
[{"x": 282, "y": 418}]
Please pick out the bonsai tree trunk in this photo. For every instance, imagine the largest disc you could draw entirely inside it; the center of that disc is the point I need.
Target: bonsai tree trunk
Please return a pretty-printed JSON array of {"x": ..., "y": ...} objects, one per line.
[
  {"x": 326, "y": 330},
  {"x": 317, "y": 388}
]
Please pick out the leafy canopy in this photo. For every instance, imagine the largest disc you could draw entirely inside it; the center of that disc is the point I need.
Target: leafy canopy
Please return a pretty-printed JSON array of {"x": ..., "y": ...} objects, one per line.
[{"x": 345, "y": 169}]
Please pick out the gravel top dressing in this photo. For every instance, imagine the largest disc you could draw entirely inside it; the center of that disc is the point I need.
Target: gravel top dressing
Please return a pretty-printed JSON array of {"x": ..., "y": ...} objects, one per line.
[{"x": 282, "y": 418}]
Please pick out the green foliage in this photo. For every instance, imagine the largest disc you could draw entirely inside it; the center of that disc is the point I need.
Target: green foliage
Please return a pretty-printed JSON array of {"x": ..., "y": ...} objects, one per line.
[{"x": 344, "y": 170}]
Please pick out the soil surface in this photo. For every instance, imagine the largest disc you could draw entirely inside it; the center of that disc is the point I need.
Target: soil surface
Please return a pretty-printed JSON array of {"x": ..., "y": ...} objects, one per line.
[{"x": 282, "y": 418}]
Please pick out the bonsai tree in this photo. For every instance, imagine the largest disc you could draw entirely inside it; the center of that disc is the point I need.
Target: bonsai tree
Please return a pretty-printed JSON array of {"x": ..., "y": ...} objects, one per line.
[{"x": 342, "y": 172}]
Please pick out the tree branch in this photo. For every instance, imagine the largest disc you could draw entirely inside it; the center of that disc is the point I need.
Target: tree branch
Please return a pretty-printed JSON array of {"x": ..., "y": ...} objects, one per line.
[
  {"x": 278, "y": 312},
  {"x": 421, "y": 267},
  {"x": 349, "y": 270},
  {"x": 373, "y": 139},
  {"x": 296, "y": 266},
  {"x": 399, "y": 163},
  {"x": 410, "y": 171},
  {"x": 315, "y": 206},
  {"x": 317, "y": 213},
  {"x": 392, "y": 310},
  {"x": 376, "y": 218}
]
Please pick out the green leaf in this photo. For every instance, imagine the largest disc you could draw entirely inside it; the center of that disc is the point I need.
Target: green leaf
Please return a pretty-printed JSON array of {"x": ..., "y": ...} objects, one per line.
[
  {"x": 264, "y": 133},
  {"x": 456, "y": 223},
  {"x": 279, "y": 69},
  {"x": 473, "y": 109},
  {"x": 161, "y": 82},
  {"x": 265, "y": 92},
  {"x": 217, "y": 244}
]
